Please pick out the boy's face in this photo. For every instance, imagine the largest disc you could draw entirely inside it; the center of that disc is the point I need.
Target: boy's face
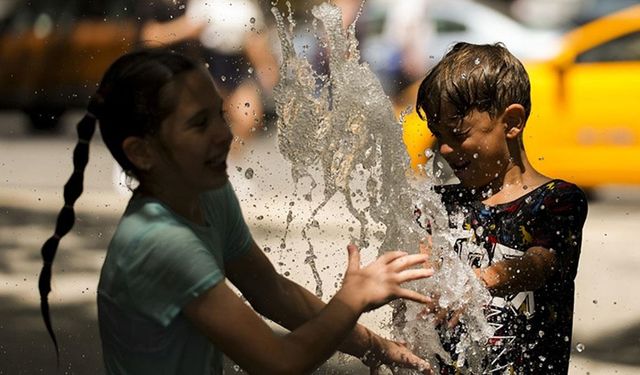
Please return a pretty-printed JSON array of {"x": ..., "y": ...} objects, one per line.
[{"x": 475, "y": 147}]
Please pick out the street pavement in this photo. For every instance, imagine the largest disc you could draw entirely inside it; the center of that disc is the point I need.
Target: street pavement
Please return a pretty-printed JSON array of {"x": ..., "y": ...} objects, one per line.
[{"x": 33, "y": 169}]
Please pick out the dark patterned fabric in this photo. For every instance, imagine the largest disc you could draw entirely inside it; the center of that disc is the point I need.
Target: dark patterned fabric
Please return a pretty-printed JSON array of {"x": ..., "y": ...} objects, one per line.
[{"x": 533, "y": 328}]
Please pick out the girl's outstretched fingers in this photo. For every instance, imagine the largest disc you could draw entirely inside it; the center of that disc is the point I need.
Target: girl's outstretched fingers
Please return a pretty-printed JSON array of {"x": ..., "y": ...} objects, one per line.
[
  {"x": 412, "y": 295},
  {"x": 381, "y": 281},
  {"x": 354, "y": 258},
  {"x": 395, "y": 354},
  {"x": 403, "y": 262}
]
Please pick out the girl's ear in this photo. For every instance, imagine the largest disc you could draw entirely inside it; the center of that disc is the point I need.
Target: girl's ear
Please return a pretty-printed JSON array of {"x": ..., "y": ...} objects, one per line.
[
  {"x": 514, "y": 120},
  {"x": 138, "y": 151}
]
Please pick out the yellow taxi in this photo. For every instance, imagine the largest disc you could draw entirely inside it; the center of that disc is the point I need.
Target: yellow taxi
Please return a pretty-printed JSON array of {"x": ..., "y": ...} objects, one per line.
[{"x": 585, "y": 120}]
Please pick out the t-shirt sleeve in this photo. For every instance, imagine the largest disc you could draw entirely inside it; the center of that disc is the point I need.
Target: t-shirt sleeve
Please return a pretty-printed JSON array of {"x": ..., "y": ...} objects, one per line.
[
  {"x": 170, "y": 267},
  {"x": 566, "y": 209},
  {"x": 223, "y": 205},
  {"x": 239, "y": 237}
]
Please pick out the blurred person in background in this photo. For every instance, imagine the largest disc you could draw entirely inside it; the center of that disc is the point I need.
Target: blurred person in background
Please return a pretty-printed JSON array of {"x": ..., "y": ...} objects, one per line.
[
  {"x": 164, "y": 23},
  {"x": 405, "y": 28},
  {"x": 236, "y": 47},
  {"x": 231, "y": 36}
]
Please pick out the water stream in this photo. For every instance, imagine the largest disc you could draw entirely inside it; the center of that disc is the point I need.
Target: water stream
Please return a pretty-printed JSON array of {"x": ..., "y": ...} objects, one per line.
[{"x": 341, "y": 135}]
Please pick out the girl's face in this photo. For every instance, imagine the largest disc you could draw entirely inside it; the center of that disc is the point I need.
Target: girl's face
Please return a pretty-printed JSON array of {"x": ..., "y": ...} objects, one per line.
[
  {"x": 476, "y": 148},
  {"x": 194, "y": 140}
]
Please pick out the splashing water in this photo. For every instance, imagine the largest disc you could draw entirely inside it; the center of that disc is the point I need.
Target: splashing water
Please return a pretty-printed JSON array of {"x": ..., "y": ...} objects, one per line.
[{"x": 342, "y": 128}]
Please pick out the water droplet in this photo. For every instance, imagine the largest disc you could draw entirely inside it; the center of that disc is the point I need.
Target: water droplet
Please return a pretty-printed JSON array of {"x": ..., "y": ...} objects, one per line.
[
  {"x": 247, "y": 104},
  {"x": 267, "y": 249},
  {"x": 428, "y": 153},
  {"x": 477, "y": 61},
  {"x": 223, "y": 78},
  {"x": 250, "y": 70},
  {"x": 595, "y": 301},
  {"x": 580, "y": 347},
  {"x": 463, "y": 75},
  {"x": 252, "y": 20},
  {"x": 475, "y": 156},
  {"x": 236, "y": 368},
  {"x": 540, "y": 333},
  {"x": 248, "y": 174}
]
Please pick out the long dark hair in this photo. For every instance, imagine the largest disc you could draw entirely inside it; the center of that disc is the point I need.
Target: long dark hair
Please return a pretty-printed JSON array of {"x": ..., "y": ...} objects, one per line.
[{"x": 130, "y": 101}]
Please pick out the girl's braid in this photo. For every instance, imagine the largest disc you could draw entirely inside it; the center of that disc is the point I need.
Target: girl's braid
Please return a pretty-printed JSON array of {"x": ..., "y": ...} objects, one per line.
[{"x": 72, "y": 190}]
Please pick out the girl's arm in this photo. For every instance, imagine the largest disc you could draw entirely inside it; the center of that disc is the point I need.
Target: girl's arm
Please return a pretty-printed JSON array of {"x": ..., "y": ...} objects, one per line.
[
  {"x": 176, "y": 30},
  {"x": 290, "y": 305},
  {"x": 236, "y": 330}
]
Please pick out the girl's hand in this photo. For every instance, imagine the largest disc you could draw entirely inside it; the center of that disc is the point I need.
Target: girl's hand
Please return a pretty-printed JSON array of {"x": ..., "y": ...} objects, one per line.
[
  {"x": 394, "y": 354},
  {"x": 379, "y": 282}
]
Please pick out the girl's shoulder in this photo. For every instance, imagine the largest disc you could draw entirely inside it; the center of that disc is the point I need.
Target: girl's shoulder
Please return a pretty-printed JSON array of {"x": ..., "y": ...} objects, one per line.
[{"x": 149, "y": 222}]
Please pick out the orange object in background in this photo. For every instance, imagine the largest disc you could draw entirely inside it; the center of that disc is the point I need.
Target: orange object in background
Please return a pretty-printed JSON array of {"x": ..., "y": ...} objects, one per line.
[
  {"x": 53, "y": 54},
  {"x": 585, "y": 118}
]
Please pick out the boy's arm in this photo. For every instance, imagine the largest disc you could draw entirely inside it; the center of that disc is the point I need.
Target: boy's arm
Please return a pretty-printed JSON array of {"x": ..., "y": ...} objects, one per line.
[
  {"x": 528, "y": 272},
  {"x": 557, "y": 250}
]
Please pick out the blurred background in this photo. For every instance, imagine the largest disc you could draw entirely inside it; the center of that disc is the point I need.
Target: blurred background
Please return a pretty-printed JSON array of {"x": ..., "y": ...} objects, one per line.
[{"x": 583, "y": 57}]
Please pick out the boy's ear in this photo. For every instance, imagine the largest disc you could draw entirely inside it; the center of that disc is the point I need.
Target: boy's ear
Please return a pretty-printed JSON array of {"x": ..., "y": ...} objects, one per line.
[
  {"x": 514, "y": 120},
  {"x": 139, "y": 152}
]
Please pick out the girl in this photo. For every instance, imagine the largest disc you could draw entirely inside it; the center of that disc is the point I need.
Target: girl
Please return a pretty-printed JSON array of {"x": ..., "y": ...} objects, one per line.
[{"x": 163, "y": 302}]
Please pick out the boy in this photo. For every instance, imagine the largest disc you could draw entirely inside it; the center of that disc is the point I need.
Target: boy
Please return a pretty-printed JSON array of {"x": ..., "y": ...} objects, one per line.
[{"x": 527, "y": 226}]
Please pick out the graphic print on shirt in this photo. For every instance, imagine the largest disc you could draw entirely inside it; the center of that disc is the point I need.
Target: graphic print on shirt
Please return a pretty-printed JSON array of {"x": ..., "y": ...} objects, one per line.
[{"x": 501, "y": 309}]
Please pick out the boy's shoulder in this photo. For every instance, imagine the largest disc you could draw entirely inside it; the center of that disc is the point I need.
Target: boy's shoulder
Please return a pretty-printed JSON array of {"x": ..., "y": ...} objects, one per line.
[
  {"x": 559, "y": 195},
  {"x": 555, "y": 195}
]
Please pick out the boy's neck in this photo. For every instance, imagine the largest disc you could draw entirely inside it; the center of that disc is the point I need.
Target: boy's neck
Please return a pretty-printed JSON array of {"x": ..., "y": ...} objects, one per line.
[{"x": 519, "y": 179}]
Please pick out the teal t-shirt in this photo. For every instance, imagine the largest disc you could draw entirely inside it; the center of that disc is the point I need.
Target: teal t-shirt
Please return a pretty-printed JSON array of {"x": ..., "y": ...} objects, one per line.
[{"x": 157, "y": 262}]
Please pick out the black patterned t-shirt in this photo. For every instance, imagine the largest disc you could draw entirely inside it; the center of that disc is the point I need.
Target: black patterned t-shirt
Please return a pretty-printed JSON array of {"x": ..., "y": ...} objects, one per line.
[{"x": 532, "y": 328}]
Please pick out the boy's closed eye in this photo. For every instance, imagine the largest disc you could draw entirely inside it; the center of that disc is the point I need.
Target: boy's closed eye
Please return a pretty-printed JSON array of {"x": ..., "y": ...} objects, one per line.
[
  {"x": 460, "y": 133},
  {"x": 199, "y": 120}
]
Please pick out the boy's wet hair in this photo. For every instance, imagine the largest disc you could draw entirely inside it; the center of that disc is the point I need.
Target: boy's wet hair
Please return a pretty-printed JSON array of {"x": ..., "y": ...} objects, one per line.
[
  {"x": 487, "y": 78},
  {"x": 133, "y": 99}
]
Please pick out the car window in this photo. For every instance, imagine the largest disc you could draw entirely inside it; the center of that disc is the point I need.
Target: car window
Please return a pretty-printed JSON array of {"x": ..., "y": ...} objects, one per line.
[
  {"x": 625, "y": 48},
  {"x": 448, "y": 26}
]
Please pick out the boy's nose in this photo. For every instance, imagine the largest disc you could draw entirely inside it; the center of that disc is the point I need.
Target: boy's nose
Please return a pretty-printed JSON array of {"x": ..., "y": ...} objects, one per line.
[{"x": 445, "y": 148}]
